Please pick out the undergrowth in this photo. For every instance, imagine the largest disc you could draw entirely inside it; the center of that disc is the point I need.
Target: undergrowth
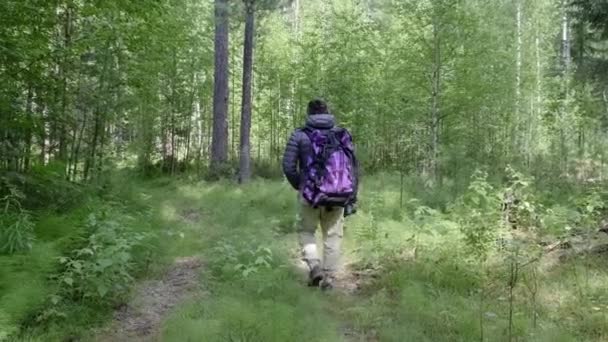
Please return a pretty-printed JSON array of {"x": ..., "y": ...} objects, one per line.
[
  {"x": 65, "y": 271},
  {"x": 452, "y": 274},
  {"x": 435, "y": 265}
]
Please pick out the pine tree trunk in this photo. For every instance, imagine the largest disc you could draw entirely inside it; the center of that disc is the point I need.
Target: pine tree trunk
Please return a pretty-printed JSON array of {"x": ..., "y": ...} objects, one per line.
[
  {"x": 219, "y": 144},
  {"x": 245, "y": 146}
]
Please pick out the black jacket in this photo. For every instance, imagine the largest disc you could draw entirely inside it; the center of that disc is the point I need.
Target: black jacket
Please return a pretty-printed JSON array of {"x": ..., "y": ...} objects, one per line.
[{"x": 299, "y": 148}]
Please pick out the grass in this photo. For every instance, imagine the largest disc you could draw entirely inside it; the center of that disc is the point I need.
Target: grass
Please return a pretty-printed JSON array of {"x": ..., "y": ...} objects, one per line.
[
  {"x": 24, "y": 285},
  {"x": 29, "y": 309},
  {"x": 434, "y": 297},
  {"x": 426, "y": 288}
]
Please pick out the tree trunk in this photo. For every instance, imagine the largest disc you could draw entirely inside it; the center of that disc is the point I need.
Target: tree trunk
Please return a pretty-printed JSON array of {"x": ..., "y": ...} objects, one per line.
[
  {"x": 76, "y": 153},
  {"x": 90, "y": 162},
  {"x": 245, "y": 146},
  {"x": 539, "y": 94},
  {"x": 64, "y": 69},
  {"x": 44, "y": 140},
  {"x": 565, "y": 37},
  {"x": 605, "y": 98},
  {"x": 565, "y": 85},
  {"x": 219, "y": 144},
  {"x": 435, "y": 95},
  {"x": 516, "y": 133},
  {"x": 232, "y": 152},
  {"x": 518, "y": 61},
  {"x": 29, "y": 128}
]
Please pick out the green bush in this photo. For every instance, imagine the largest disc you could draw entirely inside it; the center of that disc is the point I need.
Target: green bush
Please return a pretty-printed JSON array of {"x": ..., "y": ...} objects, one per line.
[
  {"x": 232, "y": 261},
  {"x": 16, "y": 227},
  {"x": 43, "y": 188},
  {"x": 477, "y": 212},
  {"x": 16, "y": 232},
  {"x": 103, "y": 269}
]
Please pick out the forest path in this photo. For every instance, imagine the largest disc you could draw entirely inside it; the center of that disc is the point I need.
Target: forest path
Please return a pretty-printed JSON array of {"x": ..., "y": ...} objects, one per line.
[
  {"x": 192, "y": 300},
  {"x": 153, "y": 300},
  {"x": 345, "y": 293},
  {"x": 141, "y": 319}
]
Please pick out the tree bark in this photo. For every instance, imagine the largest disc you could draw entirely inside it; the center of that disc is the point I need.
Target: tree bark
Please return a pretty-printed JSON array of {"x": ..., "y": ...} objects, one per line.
[
  {"x": 565, "y": 37},
  {"x": 90, "y": 161},
  {"x": 565, "y": 85},
  {"x": 435, "y": 95},
  {"x": 245, "y": 145},
  {"x": 219, "y": 144},
  {"x": 64, "y": 69},
  {"x": 516, "y": 133},
  {"x": 536, "y": 115},
  {"x": 29, "y": 128},
  {"x": 78, "y": 144},
  {"x": 518, "y": 61}
]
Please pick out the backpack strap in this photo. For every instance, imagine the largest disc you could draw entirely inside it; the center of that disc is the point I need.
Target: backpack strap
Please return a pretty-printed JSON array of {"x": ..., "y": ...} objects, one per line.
[{"x": 319, "y": 159}]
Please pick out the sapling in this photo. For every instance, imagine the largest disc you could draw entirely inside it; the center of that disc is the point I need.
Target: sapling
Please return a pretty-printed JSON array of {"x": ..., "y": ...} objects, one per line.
[
  {"x": 530, "y": 280},
  {"x": 477, "y": 212},
  {"x": 513, "y": 277}
]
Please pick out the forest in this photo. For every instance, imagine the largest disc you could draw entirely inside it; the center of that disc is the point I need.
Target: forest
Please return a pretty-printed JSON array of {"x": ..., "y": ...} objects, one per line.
[{"x": 142, "y": 196}]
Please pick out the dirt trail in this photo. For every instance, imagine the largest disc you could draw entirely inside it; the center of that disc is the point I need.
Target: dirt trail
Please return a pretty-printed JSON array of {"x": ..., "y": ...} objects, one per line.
[
  {"x": 141, "y": 319},
  {"x": 349, "y": 282}
]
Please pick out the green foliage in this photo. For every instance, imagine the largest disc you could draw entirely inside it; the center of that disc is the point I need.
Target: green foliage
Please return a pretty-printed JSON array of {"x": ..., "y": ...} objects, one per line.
[
  {"x": 430, "y": 293},
  {"x": 44, "y": 188},
  {"x": 592, "y": 208},
  {"x": 17, "y": 232},
  {"x": 477, "y": 212},
  {"x": 36, "y": 297},
  {"x": 101, "y": 271},
  {"x": 288, "y": 314},
  {"x": 16, "y": 227},
  {"x": 369, "y": 233},
  {"x": 241, "y": 261},
  {"x": 524, "y": 210}
]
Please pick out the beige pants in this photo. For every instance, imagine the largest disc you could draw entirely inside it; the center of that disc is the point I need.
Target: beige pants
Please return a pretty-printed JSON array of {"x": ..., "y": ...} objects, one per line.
[{"x": 332, "y": 222}]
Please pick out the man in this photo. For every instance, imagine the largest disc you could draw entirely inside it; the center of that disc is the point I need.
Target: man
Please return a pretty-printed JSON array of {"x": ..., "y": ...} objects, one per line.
[{"x": 319, "y": 162}]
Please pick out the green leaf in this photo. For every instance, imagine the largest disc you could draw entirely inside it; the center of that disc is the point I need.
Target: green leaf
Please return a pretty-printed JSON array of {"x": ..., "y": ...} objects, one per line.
[
  {"x": 68, "y": 280},
  {"x": 102, "y": 290},
  {"x": 105, "y": 263}
]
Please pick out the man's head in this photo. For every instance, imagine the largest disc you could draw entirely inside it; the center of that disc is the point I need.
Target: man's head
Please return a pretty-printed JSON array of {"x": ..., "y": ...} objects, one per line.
[{"x": 317, "y": 106}]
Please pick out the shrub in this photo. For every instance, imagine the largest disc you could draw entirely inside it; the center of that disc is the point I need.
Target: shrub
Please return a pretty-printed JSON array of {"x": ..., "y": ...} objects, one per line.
[
  {"x": 477, "y": 212},
  {"x": 232, "y": 261},
  {"x": 16, "y": 232},
  {"x": 103, "y": 268},
  {"x": 16, "y": 227}
]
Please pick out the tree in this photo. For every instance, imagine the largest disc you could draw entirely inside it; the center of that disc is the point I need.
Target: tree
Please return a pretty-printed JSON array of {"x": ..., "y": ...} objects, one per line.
[
  {"x": 594, "y": 12},
  {"x": 219, "y": 144},
  {"x": 245, "y": 145}
]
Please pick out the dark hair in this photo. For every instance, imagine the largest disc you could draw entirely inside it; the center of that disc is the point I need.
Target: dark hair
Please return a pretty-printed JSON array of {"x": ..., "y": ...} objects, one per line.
[{"x": 317, "y": 106}]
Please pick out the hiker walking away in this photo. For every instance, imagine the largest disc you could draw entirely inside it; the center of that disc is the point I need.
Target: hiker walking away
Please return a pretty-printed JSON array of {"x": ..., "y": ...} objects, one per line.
[{"x": 319, "y": 162}]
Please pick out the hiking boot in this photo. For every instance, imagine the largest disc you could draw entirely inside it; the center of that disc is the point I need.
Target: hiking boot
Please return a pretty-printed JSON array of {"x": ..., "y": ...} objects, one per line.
[
  {"x": 328, "y": 280},
  {"x": 315, "y": 276},
  {"x": 327, "y": 283}
]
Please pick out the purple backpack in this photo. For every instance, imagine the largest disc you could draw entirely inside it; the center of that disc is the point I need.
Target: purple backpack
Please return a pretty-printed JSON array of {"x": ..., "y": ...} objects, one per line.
[{"x": 330, "y": 178}]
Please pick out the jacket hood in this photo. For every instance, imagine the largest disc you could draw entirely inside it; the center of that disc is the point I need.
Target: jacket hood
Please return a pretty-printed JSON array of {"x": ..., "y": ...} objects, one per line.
[{"x": 321, "y": 121}]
